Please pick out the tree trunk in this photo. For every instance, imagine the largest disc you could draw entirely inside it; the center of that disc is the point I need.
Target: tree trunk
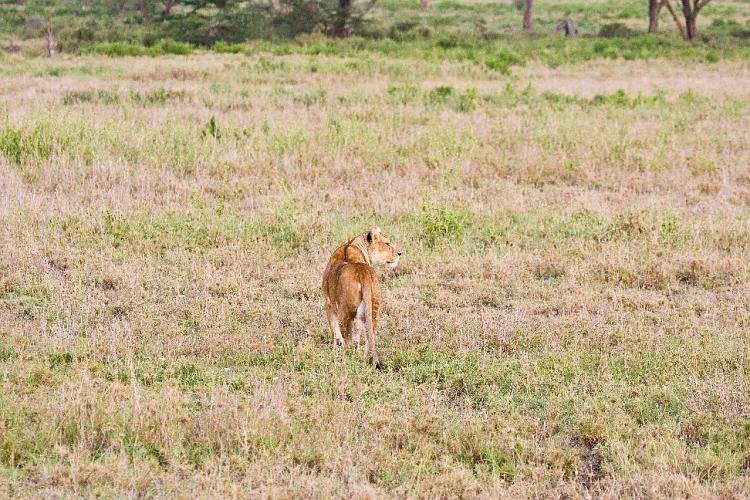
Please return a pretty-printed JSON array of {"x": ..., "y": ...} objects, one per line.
[
  {"x": 528, "y": 19},
  {"x": 654, "y": 6},
  {"x": 314, "y": 5},
  {"x": 673, "y": 13},
  {"x": 691, "y": 31},
  {"x": 342, "y": 16},
  {"x": 51, "y": 43},
  {"x": 567, "y": 27}
]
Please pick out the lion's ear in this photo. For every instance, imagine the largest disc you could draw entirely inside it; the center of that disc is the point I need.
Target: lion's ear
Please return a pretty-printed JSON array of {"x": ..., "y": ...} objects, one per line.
[{"x": 374, "y": 233}]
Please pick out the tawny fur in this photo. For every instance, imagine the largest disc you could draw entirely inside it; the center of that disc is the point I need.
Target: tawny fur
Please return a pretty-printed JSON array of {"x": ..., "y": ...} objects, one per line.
[{"x": 352, "y": 291}]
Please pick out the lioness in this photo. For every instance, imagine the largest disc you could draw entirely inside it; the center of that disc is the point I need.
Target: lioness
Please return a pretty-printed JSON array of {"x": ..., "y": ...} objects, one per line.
[{"x": 352, "y": 290}]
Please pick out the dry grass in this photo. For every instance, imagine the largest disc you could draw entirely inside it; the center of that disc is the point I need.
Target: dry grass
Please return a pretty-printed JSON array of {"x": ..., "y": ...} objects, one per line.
[{"x": 570, "y": 319}]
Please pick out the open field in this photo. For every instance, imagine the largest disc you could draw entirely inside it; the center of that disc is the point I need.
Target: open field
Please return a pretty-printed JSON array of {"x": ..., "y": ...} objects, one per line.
[{"x": 570, "y": 317}]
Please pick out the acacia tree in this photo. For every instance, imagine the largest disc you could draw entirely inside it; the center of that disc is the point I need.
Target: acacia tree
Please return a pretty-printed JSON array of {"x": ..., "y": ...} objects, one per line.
[
  {"x": 346, "y": 23},
  {"x": 690, "y": 11}
]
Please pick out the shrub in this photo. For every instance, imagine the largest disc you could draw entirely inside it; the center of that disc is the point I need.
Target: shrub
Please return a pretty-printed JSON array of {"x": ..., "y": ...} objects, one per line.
[
  {"x": 157, "y": 96},
  {"x": 503, "y": 59},
  {"x": 120, "y": 49},
  {"x": 712, "y": 57},
  {"x": 442, "y": 224},
  {"x": 77, "y": 96},
  {"x": 619, "y": 98},
  {"x": 10, "y": 144},
  {"x": 116, "y": 49},
  {"x": 404, "y": 94},
  {"x": 311, "y": 98},
  {"x": 228, "y": 48},
  {"x": 469, "y": 100},
  {"x": 622, "y": 100},
  {"x": 228, "y": 25},
  {"x": 449, "y": 42},
  {"x": 617, "y": 30},
  {"x": 171, "y": 47},
  {"x": 265, "y": 65},
  {"x": 211, "y": 129},
  {"x": 37, "y": 143},
  {"x": 440, "y": 95},
  {"x": 107, "y": 97}
]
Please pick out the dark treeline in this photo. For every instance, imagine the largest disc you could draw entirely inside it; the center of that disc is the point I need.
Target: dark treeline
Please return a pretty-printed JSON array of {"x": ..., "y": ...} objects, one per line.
[{"x": 78, "y": 23}]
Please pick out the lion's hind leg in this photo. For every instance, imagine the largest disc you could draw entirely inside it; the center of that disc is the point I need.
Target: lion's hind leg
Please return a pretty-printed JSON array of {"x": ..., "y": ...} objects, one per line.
[
  {"x": 356, "y": 327},
  {"x": 333, "y": 320}
]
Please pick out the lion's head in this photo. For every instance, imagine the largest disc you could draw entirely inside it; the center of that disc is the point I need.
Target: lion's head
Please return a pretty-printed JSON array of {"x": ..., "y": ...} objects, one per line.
[{"x": 380, "y": 248}]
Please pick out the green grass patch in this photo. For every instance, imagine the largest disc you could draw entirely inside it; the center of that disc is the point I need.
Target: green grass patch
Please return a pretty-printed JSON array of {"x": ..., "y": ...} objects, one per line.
[{"x": 122, "y": 49}]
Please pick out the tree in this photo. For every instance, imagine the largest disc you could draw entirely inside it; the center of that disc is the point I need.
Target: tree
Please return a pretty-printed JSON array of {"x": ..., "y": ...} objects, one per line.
[
  {"x": 167, "y": 7},
  {"x": 188, "y": 6},
  {"x": 673, "y": 13},
  {"x": 342, "y": 18},
  {"x": 345, "y": 24},
  {"x": 690, "y": 11},
  {"x": 654, "y": 6},
  {"x": 528, "y": 19},
  {"x": 51, "y": 43}
]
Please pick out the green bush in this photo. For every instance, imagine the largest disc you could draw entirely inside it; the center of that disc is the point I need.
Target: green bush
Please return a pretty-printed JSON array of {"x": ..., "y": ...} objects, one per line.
[
  {"x": 121, "y": 49},
  {"x": 404, "y": 94},
  {"x": 77, "y": 96},
  {"x": 107, "y": 97},
  {"x": 230, "y": 26},
  {"x": 171, "y": 47},
  {"x": 10, "y": 144},
  {"x": 442, "y": 224},
  {"x": 440, "y": 95},
  {"x": 18, "y": 144},
  {"x": 712, "y": 57},
  {"x": 101, "y": 96},
  {"x": 311, "y": 98},
  {"x": 157, "y": 96},
  {"x": 623, "y": 100},
  {"x": 468, "y": 100},
  {"x": 211, "y": 129},
  {"x": 228, "y": 48},
  {"x": 503, "y": 59},
  {"x": 616, "y": 30},
  {"x": 116, "y": 49}
]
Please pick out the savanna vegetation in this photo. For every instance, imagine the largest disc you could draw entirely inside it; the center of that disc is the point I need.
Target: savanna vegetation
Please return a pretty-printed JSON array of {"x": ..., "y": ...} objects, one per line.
[{"x": 569, "y": 318}]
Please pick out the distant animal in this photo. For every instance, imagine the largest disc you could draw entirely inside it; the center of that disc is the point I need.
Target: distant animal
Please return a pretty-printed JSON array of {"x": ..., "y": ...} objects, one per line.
[{"x": 352, "y": 291}]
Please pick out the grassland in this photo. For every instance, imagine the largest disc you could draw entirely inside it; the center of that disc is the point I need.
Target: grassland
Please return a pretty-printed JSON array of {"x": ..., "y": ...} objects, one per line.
[{"x": 570, "y": 317}]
